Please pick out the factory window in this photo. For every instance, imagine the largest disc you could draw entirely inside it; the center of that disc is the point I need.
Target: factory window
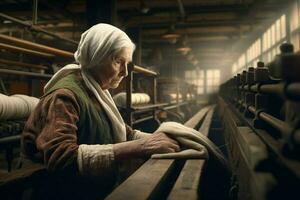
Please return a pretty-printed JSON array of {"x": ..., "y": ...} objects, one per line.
[
  {"x": 283, "y": 28},
  {"x": 269, "y": 38},
  {"x": 253, "y": 52},
  {"x": 212, "y": 80},
  {"x": 258, "y": 47},
  {"x": 294, "y": 26},
  {"x": 241, "y": 61},
  {"x": 267, "y": 45},
  {"x": 278, "y": 37},
  {"x": 196, "y": 77},
  {"x": 234, "y": 68},
  {"x": 273, "y": 37}
]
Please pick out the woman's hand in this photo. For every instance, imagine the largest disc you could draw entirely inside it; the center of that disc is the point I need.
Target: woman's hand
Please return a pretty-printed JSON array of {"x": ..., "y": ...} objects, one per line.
[{"x": 156, "y": 143}]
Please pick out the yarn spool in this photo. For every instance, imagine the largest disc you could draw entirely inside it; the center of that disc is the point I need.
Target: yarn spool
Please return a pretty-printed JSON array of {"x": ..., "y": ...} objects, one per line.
[
  {"x": 136, "y": 99},
  {"x": 16, "y": 106}
]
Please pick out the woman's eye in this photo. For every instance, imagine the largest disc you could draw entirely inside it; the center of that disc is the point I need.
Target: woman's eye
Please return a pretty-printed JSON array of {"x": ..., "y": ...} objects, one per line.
[{"x": 118, "y": 61}]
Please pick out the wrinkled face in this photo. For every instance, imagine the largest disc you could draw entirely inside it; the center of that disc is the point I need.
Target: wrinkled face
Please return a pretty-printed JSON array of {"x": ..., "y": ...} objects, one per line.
[{"x": 114, "y": 69}]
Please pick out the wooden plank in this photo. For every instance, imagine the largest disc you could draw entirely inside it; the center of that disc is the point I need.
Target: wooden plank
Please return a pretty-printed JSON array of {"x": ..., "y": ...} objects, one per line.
[
  {"x": 204, "y": 129},
  {"x": 186, "y": 186},
  {"x": 144, "y": 181},
  {"x": 192, "y": 122},
  {"x": 21, "y": 64},
  {"x": 23, "y": 50},
  {"x": 35, "y": 46},
  {"x": 145, "y": 71},
  {"x": 23, "y": 73}
]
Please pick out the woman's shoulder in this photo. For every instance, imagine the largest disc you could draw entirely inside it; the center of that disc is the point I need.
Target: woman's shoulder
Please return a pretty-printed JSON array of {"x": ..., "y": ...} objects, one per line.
[
  {"x": 61, "y": 97},
  {"x": 61, "y": 93}
]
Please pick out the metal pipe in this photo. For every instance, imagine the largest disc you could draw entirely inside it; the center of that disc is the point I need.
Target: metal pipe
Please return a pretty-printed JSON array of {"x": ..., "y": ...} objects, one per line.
[
  {"x": 277, "y": 88},
  {"x": 148, "y": 72},
  {"x": 23, "y": 50},
  {"x": 142, "y": 119},
  {"x": 170, "y": 107},
  {"x": 278, "y": 124},
  {"x": 154, "y": 92},
  {"x": 36, "y": 28},
  {"x": 34, "y": 12},
  {"x": 147, "y": 108},
  {"x": 252, "y": 109},
  {"x": 181, "y": 8},
  {"x": 29, "y": 65},
  {"x": 22, "y": 73},
  {"x": 293, "y": 91},
  {"x": 129, "y": 96},
  {"x": 35, "y": 46},
  {"x": 9, "y": 139}
]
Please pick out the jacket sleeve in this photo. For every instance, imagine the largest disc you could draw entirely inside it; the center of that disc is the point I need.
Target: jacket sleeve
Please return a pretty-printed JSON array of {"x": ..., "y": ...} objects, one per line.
[{"x": 58, "y": 138}]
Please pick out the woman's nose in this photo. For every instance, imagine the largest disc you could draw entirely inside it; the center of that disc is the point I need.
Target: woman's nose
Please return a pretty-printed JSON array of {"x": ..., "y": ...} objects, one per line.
[{"x": 125, "y": 70}]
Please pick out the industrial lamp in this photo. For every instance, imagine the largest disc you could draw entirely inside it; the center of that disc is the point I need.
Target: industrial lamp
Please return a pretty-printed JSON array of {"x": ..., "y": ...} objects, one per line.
[
  {"x": 183, "y": 47},
  {"x": 171, "y": 36}
]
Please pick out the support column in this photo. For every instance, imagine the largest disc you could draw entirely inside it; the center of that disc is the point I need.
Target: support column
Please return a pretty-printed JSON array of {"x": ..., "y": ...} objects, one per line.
[{"x": 100, "y": 11}]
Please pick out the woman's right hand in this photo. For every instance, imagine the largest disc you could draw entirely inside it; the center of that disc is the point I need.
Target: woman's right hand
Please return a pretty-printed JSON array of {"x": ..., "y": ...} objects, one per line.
[{"x": 157, "y": 143}]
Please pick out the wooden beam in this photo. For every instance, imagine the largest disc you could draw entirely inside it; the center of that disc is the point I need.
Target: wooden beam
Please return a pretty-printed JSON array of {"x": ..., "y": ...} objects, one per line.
[
  {"x": 187, "y": 184},
  {"x": 159, "y": 23},
  {"x": 35, "y": 28},
  {"x": 22, "y": 73},
  {"x": 144, "y": 181},
  {"x": 21, "y": 64},
  {"x": 23, "y": 50},
  {"x": 195, "y": 119},
  {"x": 35, "y": 46},
  {"x": 143, "y": 70}
]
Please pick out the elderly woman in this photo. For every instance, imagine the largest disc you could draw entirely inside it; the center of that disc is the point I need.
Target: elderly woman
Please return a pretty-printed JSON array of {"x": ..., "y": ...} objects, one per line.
[{"x": 76, "y": 128}]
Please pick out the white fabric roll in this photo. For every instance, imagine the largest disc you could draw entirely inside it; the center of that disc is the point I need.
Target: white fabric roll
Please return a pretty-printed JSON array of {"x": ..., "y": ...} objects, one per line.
[
  {"x": 16, "y": 106},
  {"x": 136, "y": 99},
  {"x": 147, "y": 98}
]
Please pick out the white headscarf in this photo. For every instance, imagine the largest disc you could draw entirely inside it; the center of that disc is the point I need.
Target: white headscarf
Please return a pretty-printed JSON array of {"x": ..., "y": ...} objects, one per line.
[{"x": 95, "y": 45}]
